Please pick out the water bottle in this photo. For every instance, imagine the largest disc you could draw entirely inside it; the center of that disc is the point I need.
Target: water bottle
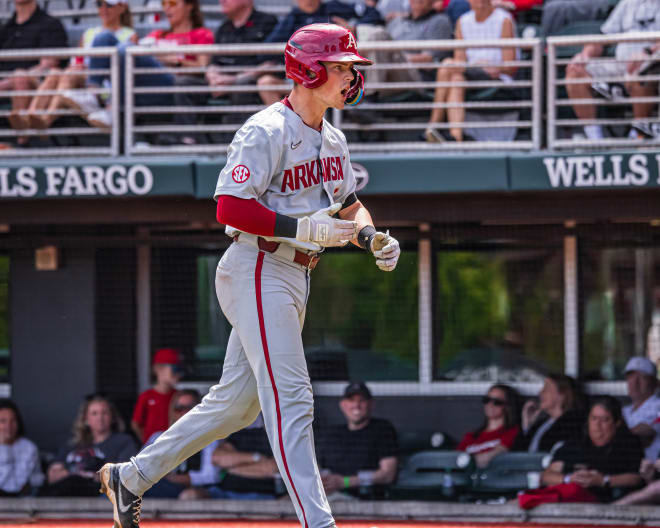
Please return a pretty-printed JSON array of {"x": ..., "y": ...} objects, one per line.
[{"x": 447, "y": 484}]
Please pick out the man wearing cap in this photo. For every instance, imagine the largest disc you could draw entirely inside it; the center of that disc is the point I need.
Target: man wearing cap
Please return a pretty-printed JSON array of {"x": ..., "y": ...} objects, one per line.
[
  {"x": 362, "y": 453},
  {"x": 151, "y": 413},
  {"x": 642, "y": 414}
]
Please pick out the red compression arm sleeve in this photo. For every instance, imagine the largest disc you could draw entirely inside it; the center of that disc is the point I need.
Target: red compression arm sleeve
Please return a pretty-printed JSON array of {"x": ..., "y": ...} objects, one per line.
[{"x": 247, "y": 215}]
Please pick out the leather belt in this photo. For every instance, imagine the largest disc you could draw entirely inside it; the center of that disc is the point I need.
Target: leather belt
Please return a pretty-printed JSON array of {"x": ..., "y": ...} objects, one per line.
[{"x": 299, "y": 257}]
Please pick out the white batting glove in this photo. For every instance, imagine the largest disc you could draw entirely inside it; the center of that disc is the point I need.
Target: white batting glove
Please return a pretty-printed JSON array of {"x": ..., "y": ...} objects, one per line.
[
  {"x": 321, "y": 228},
  {"x": 386, "y": 250}
]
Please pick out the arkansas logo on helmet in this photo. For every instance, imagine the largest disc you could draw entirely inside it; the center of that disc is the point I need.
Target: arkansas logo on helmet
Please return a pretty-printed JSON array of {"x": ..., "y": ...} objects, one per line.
[{"x": 316, "y": 43}]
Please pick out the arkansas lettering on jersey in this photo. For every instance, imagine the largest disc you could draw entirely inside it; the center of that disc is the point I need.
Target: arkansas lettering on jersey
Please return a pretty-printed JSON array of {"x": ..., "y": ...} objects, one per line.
[
  {"x": 287, "y": 166},
  {"x": 308, "y": 174}
]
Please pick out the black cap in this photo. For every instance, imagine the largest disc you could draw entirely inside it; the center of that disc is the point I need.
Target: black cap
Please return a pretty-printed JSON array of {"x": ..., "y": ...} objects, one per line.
[{"x": 357, "y": 387}]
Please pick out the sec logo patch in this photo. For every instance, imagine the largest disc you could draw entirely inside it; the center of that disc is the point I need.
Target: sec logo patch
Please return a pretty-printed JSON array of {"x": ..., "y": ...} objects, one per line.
[{"x": 240, "y": 174}]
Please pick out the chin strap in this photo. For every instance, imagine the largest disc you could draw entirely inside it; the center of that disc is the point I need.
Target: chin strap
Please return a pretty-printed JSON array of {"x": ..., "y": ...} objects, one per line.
[{"x": 356, "y": 90}]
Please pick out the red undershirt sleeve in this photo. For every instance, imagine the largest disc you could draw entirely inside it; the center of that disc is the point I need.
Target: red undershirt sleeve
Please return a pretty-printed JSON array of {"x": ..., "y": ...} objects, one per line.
[{"x": 250, "y": 216}]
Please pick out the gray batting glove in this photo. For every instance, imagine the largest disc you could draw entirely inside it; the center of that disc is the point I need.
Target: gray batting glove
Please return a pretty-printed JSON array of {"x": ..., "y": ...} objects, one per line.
[
  {"x": 321, "y": 228},
  {"x": 386, "y": 250}
]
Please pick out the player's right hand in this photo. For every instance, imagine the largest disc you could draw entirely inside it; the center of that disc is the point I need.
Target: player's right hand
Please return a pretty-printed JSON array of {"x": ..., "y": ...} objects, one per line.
[{"x": 324, "y": 230}]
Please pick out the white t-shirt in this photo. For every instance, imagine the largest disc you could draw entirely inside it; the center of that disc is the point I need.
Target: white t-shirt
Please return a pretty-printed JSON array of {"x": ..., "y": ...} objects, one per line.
[
  {"x": 648, "y": 413},
  {"x": 632, "y": 16}
]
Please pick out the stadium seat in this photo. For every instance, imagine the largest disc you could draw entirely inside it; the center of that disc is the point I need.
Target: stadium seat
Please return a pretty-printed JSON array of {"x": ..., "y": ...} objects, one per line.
[
  {"x": 509, "y": 473},
  {"x": 411, "y": 442},
  {"x": 433, "y": 475},
  {"x": 589, "y": 27}
]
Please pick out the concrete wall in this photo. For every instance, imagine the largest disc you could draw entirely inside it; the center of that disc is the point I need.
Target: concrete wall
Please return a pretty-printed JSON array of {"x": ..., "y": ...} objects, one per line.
[{"x": 52, "y": 342}]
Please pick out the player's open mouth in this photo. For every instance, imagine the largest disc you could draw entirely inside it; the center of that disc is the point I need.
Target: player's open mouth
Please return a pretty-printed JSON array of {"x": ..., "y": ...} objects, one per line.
[{"x": 344, "y": 92}]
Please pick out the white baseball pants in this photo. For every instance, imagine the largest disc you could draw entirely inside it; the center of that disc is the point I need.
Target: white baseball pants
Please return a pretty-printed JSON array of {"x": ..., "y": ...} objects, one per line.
[{"x": 263, "y": 296}]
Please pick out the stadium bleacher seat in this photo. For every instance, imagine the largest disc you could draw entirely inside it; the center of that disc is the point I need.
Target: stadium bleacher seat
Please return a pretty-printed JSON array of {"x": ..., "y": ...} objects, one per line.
[
  {"x": 411, "y": 442},
  {"x": 433, "y": 475},
  {"x": 588, "y": 27},
  {"x": 509, "y": 473}
]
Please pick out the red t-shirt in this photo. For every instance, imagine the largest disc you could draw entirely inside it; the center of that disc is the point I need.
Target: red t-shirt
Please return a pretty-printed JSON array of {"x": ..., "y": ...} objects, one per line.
[
  {"x": 488, "y": 440},
  {"x": 194, "y": 36},
  {"x": 152, "y": 412}
]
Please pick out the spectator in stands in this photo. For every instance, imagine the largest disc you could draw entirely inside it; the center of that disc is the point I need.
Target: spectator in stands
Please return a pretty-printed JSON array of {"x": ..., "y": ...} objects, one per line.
[
  {"x": 362, "y": 453},
  {"x": 607, "y": 456},
  {"x": 346, "y": 14},
  {"x": 20, "y": 466},
  {"x": 152, "y": 409},
  {"x": 28, "y": 28},
  {"x": 420, "y": 23},
  {"x": 247, "y": 467},
  {"x": 643, "y": 413},
  {"x": 186, "y": 27},
  {"x": 484, "y": 21},
  {"x": 195, "y": 472},
  {"x": 116, "y": 19},
  {"x": 628, "y": 16},
  {"x": 552, "y": 420},
  {"x": 98, "y": 437},
  {"x": 499, "y": 429},
  {"x": 244, "y": 25}
]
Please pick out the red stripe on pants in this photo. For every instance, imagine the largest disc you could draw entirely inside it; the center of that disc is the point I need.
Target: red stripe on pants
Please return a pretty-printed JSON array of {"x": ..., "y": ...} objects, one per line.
[{"x": 264, "y": 343}]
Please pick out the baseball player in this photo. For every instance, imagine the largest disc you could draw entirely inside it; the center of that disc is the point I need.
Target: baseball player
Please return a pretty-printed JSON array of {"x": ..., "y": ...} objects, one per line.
[{"x": 286, "y": 192}]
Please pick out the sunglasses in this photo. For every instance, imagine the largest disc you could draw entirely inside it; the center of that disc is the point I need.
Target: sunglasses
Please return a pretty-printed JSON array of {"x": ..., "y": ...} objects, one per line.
[
  {"x": 180, "y": 408},
  {"x": 494, "y": 401}
]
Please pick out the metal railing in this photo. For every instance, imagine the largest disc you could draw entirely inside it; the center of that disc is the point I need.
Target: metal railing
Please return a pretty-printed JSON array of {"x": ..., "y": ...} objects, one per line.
[
  {"x": 563, "y": 128},
  {"x": 112, "y": 145},
  {"x": 398, "y": 125}
]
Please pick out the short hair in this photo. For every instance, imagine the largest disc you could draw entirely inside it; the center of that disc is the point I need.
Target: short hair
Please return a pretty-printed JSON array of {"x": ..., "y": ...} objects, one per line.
[
  {"x": 193, "y": 393},
  {"x": 611, "y": 405}
]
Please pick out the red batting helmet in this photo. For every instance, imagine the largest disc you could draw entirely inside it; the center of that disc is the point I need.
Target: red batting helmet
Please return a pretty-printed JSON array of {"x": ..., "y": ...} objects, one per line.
[{"x": 314, "y": 43}]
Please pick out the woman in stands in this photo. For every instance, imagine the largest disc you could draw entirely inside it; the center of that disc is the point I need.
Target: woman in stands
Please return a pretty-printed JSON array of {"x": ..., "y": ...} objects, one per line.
[
  {"x": 20, "y": 467},
  {"x": 499, "y": 428},
  {"x": 606, "y": 456},
  {"x": 98, "y": 437},
  {"x": 116, "y": 20},
  {"x": 186, "y": 27},
  {"x": 482, "y": 22},
  {"x": 554, "y": 419}
]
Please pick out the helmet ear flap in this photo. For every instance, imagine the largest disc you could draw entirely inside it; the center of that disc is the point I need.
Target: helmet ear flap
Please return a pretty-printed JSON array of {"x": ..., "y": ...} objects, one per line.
[{"x": 356, "y": 89}]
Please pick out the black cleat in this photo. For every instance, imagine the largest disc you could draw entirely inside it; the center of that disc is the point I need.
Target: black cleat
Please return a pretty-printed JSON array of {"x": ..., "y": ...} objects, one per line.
[{"x": 126, "y": 506}]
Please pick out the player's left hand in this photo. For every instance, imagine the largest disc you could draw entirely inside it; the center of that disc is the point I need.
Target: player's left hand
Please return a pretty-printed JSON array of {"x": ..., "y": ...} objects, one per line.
[{"x": 386, "y": 250}]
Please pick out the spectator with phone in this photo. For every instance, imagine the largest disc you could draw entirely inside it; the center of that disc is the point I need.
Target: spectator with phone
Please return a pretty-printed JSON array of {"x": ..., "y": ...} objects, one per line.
[{"x": 606, "y": 456}]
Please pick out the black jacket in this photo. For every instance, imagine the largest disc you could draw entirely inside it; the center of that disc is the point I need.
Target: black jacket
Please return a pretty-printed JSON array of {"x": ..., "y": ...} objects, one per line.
[{"x": 569, "y": 426}]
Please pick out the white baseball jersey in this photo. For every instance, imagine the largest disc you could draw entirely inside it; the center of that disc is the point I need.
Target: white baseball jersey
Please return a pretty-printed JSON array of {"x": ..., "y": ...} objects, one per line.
[
  {"x": 649, "y": 413},
  {"x": 287, "y": 166}
]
